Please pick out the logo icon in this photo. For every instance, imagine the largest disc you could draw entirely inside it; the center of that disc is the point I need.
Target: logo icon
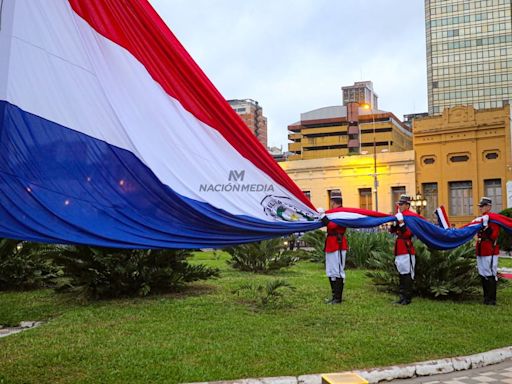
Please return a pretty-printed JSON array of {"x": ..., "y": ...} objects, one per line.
[{"x": 235, "y": 175}]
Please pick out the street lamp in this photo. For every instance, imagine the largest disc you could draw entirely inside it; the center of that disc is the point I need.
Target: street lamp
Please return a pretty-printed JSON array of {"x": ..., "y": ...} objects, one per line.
[
  {"x": 418, "y": 203},
  {"x": 366, "y": 106}
]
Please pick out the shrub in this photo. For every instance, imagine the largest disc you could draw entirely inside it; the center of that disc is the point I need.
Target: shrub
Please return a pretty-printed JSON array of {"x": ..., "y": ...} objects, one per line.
[
  {"x": 505, "y": 239},
  {"x": 24, "y": 265},
  {"x": 264, "y": 295},
  {"x": 363, "y": 245},
  {"x": 262, "y": 256},
  {"x": 439, "y": 274},
  {"x": 316, "y": 241},
  {"x": 98, "y": 273}
]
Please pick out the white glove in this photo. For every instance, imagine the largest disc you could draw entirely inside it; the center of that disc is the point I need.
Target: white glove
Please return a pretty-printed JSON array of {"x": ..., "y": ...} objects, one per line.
[
  {"x": 399, "y": 216},
  {"x": 485, "y": 220},
  {"x": 321, "y": 211}
]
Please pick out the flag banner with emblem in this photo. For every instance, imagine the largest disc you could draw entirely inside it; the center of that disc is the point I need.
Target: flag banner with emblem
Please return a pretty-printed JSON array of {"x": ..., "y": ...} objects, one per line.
[
  {"x": 432, "y": 235},
  {"x": 111, "y": 135}
]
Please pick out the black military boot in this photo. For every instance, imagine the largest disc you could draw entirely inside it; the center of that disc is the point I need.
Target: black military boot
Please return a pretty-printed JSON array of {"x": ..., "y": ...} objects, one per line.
[
  {"x": 337, "y": 292},
  {"x": 340, "y": 283},
  {"x": 485, "y": 288},
  {"x": 408, "y": 283},
  {"x": 332, "y": 283},
  {"x": 401, "y": 290},
  {"x": 491, "y": 290}
]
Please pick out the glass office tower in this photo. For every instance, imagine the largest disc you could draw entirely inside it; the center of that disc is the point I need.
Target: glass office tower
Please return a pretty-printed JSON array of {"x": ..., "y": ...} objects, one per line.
[{"x": 469, "y": 53}]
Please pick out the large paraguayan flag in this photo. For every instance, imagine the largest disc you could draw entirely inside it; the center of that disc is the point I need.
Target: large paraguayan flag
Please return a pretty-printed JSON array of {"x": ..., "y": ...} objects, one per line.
[{"x": 111, "y": 135}]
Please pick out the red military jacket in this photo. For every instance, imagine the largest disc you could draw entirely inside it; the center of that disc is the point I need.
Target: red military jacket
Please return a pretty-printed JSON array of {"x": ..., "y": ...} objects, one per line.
[
  {"x": 486, "y": 242},
  {"x": 336, "y": 239},
  {"x": 403, "y": 242}
]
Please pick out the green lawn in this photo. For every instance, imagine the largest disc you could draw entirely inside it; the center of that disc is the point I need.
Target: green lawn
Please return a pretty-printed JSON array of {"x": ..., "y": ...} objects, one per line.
[
  {"x": 207, "y": 333},
  {"x": 505, "y": 262}
]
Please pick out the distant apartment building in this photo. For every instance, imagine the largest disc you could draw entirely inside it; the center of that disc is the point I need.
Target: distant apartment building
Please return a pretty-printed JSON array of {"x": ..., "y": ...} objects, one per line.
[
  {"x": 469, "y": 53},
  {"x": 409, "y": 118},
  {"x": 252, "y": 114},
  {"x": 278, "y": 154},
  {"x": 326, "y": 132},
  {"x": 361, "y": 93}
]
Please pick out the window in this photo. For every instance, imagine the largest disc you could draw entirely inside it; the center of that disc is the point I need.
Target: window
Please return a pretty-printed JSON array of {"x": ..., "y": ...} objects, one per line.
[
  {"x": 491, "y": 155},
  {"x": 459, "y": 158},
  {"x": 395, "y": 194},
  {"x": 492, "y": 189},
  {"x": 429, "y": 160},
  {"x": 461, "y": 198},
  {"x": 365, "y": 198},
  {"x": 430, "y": 194},
  {"x": 308, "y": 194},
  {"x": 333, "y": 193}
]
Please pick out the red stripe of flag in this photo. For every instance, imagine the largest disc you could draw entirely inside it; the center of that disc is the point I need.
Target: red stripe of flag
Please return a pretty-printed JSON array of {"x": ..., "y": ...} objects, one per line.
[{"x": 135, "y": 25}]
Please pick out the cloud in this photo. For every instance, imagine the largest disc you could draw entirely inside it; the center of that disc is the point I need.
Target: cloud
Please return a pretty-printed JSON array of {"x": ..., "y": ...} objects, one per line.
[{"x": 293, "y": 56}]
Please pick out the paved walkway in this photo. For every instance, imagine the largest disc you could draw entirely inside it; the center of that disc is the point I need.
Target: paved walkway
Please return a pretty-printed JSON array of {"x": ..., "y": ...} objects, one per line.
[
  {"x": 24, "y": 325},
  {"x": 495, "y": 374}
]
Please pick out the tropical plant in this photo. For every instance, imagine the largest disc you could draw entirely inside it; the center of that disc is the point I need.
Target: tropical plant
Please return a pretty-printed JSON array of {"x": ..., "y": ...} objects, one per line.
[
  {"x": 262, "y": 256},
  {"x": 270, "y": 294},
  {"x": 505, "y": 239},
  {"x": 315, "y": 241},
  {"x": 25, "y": 265},
  {"x": 439, "y": 274},
  {"x": 363, "y": 245},
  {"x": 98, "y": 273}
]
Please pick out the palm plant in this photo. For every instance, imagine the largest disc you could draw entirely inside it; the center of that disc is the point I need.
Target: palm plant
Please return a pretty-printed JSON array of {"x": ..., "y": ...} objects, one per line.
[
  {"x": 315, "y": 240},
  {"x": 270, "y": 294},
  {"x": 439, "y": 274},
  {"x": 25, "y": 265},
  {"x": 262, "y": 256},
  {"x": 363, "y": 245},
  {"x": 106, "y": 272}
]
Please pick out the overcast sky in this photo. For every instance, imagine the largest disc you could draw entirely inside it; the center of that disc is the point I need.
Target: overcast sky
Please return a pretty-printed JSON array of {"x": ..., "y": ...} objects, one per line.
[{"x": 293, "y": 56}]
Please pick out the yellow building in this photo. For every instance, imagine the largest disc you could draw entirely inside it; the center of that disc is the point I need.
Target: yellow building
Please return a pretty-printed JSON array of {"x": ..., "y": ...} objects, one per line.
[
  {"x": 353, "y": 176},
  {"x": 325, "y": 132},
  {"x": 462, "y": 155}
]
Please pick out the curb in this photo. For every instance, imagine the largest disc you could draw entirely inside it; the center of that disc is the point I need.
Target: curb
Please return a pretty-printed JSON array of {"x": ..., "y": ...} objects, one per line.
[
  {"x": 24, "y": 325},
  {"x": 434, "y": 367},
  {"x": 376, "y": 375}
]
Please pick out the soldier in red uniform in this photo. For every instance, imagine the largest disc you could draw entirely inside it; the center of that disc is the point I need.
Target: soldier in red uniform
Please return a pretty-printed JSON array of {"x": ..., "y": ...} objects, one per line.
[
  {"x": 487, "y": 251},
  {"x": 405, "y": 258},
  {"x": 335, "y": 253}
]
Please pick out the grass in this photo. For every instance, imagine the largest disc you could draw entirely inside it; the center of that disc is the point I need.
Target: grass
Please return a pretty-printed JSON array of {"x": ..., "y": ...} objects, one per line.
[
  {"x": 505, "y": 262},
  {"x": 207, "y": 333}
]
